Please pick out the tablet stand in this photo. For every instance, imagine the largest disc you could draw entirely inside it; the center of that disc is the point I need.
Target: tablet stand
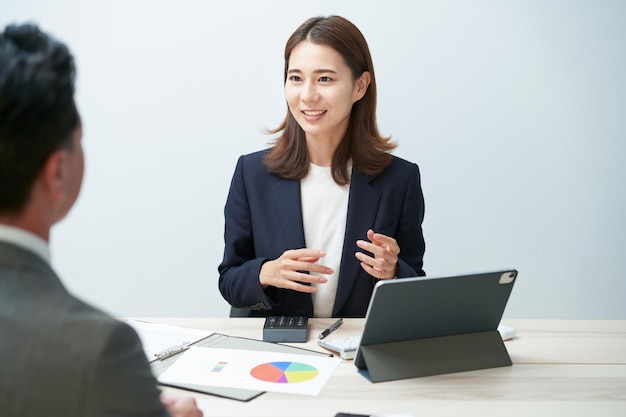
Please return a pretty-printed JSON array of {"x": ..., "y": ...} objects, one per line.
[{"x": 436, "y": 355}]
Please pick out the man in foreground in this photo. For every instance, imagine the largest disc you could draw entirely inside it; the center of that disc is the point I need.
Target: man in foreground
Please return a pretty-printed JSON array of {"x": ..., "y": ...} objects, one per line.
[{"x": 60, "y": 356}]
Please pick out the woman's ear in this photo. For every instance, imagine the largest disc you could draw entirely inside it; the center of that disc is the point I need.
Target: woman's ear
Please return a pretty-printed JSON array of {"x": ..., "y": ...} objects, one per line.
[{"x": 361, "y": 85}]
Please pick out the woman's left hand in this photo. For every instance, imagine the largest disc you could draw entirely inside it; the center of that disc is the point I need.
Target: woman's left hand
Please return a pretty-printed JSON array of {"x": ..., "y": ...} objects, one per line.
[{"x": 383, "y": 264}]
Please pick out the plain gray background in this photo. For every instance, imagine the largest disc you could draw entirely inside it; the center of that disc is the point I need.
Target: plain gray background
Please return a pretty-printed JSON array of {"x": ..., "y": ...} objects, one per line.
[{"x": 515, "y": 112}]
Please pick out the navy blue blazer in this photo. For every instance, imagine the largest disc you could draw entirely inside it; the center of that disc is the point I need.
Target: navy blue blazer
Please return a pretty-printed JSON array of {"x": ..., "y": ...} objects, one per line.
[{"x": 263, "y": 218}]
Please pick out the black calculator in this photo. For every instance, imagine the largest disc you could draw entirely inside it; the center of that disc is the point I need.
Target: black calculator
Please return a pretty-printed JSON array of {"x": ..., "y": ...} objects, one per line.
[{"x": 285, "y": 329}]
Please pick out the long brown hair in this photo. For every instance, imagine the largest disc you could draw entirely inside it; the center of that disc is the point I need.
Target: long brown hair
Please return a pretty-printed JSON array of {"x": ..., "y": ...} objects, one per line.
[{"x": 363, "y": 143}]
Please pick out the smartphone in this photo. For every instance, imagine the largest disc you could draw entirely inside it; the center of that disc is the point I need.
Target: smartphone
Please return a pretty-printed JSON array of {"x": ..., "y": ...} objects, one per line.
[{"x": 351, "y": 415}]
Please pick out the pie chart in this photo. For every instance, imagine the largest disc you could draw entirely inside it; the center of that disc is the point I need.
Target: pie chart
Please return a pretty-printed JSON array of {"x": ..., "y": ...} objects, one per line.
[{"x": 284, "y": 372}]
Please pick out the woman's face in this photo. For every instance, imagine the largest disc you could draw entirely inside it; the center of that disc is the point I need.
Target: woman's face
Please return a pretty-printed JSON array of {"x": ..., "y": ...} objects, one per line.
[{"x": 320, "y": 91}]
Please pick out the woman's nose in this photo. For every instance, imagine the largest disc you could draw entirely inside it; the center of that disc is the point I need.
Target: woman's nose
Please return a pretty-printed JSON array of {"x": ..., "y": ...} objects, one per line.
[{"x": 309, "y": 92}]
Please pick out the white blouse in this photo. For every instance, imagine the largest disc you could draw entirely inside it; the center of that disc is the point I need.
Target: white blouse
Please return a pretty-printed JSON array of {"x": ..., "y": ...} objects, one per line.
[{"x": 324, "y": 213}]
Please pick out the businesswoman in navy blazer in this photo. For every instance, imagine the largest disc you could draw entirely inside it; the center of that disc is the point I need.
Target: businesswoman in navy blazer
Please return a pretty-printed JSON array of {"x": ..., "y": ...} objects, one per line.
[{"x": 312, "y": 223}]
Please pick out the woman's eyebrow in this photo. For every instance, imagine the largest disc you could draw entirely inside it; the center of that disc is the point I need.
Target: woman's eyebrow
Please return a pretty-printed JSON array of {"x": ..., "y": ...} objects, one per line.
[{"x": 318, "y": 71}]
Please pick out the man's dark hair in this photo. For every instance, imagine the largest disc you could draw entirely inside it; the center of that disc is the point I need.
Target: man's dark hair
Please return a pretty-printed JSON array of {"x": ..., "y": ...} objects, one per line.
[{"x": 37, "y": 110}]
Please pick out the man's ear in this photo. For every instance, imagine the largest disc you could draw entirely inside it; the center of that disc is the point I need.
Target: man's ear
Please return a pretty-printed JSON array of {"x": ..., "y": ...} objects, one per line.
[
  {"x": 53, "y": 175},
  {"x": 361, "y": 86}
]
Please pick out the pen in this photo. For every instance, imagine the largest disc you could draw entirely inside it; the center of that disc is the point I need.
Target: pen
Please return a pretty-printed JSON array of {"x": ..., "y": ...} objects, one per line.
[{"x": 332, "y": 328}]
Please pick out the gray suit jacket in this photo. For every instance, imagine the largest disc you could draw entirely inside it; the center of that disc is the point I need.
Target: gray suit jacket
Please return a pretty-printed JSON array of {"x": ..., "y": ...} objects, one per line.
[{"x": 62, "y": 357}]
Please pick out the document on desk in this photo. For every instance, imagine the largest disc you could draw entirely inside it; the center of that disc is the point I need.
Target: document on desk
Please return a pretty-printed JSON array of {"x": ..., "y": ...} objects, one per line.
[
  {"x": 157, "y": 338},
  {"x": 248, "y": 369}
]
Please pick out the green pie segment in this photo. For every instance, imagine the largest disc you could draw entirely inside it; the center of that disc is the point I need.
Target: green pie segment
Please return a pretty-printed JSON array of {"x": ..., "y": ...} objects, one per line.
[{"x": 284, "y": 372}]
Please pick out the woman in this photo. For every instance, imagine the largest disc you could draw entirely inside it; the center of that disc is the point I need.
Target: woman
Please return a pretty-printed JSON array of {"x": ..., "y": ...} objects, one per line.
[{"x": 312, "y": 223}]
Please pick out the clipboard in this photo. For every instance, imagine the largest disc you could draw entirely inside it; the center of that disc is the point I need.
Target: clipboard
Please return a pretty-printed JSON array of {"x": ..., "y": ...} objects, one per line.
[{"x": 218, "y": 340}]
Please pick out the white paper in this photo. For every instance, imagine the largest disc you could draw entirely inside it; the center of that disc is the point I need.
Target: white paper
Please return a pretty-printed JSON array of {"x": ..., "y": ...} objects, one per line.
[
  {"x": 255, "y": 370},
  {"x": 159, "y": 337}
]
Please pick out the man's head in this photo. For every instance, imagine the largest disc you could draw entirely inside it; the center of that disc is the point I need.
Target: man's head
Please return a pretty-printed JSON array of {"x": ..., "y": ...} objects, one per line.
[{"x": 41, "y": 158}]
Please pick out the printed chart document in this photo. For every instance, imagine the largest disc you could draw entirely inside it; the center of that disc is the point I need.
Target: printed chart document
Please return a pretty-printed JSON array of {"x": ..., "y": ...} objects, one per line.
[
  {"x": 249, "y": 369},
  {"x": 157, "y": 338}
]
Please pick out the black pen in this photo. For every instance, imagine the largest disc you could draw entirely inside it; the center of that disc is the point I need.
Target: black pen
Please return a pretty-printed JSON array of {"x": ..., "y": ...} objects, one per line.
[{"x": 332, "y": 328}]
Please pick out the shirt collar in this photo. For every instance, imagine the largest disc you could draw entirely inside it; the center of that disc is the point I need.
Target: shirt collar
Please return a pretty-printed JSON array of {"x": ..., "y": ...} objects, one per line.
[{"x": 26, "y": 240}]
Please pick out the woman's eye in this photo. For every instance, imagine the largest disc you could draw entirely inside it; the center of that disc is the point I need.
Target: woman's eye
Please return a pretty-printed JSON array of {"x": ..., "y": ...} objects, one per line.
[
  {"x": 325, "y": 79},
  {"x": 295, "y": 78}
]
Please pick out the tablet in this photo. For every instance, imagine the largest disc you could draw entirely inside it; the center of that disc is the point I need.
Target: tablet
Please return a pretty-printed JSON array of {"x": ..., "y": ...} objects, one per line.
[{"x": 408, "y": 309}]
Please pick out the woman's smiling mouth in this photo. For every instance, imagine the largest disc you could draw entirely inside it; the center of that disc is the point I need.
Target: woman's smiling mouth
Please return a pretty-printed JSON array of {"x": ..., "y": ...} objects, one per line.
[{"x": 313, "y": 112}]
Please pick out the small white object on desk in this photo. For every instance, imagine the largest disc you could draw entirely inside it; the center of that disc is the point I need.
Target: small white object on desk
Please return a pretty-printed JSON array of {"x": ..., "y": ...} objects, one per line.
[
  {"x": 507, "y": 332},
  {"x": 346, "y": 347}
]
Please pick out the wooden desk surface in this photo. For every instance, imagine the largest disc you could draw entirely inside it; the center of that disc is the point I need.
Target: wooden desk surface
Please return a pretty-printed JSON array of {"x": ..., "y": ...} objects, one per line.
[{"x": 561, "y": 368}]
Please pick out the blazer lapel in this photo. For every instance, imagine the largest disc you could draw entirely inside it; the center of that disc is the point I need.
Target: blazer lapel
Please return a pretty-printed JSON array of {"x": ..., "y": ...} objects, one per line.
[
  {"x": 288, "y": 212},
  {"x": 362, "y": 208}
]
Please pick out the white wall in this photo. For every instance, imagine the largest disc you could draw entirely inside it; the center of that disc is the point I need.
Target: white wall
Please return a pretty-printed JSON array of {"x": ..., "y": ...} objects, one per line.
[{"x": 514, "y": 110}]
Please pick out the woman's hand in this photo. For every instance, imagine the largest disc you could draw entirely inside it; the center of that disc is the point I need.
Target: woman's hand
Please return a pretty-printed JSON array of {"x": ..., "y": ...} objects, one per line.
[
  {"x": 288, "y": 270},
  {"x": 383, "y": 264}
]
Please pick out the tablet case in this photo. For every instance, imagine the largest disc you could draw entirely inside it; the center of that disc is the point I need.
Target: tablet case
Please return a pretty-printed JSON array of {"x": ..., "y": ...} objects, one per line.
[
  {"x": 427, "y": 326},
  {"x": 218, "y": 340}
]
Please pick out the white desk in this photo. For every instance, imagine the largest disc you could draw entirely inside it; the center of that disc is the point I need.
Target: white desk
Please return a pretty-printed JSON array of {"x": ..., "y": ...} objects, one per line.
[{"x": 561, "y": 368}]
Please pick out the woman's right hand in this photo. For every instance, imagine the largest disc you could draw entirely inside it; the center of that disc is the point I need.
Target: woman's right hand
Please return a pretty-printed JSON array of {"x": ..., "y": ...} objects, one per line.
[{"x": 287, "y": 271}]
